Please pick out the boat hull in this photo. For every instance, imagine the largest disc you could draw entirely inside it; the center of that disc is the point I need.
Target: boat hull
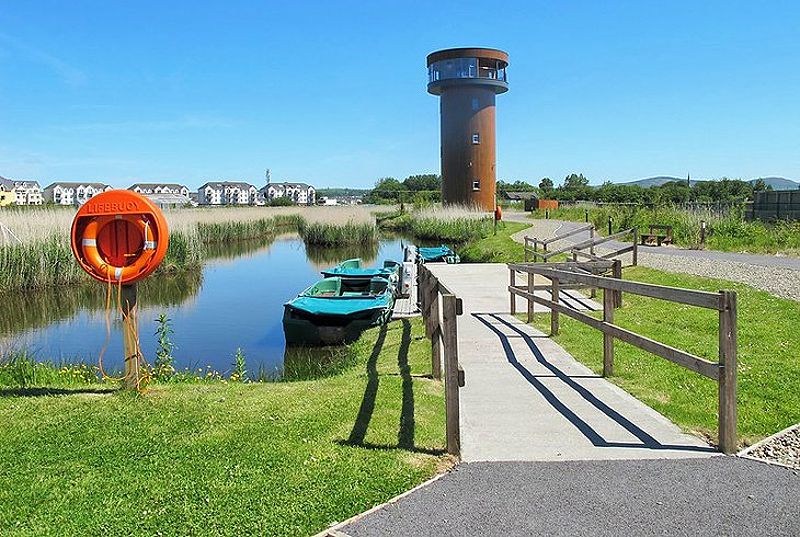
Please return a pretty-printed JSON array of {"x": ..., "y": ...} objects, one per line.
[{"x": 301, "y": 328}]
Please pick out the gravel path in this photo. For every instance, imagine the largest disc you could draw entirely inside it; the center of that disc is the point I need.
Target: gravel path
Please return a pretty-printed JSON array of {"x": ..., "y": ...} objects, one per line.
[
  {"x": 777, "y": 275},
  {"x": 715, "y": 496},
  {"x": 783, "y": 448}
]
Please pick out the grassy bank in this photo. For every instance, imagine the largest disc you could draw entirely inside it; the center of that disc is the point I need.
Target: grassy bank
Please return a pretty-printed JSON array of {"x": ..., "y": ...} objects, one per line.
[
  {"x": 769, "y": 372},
  {"x": 499, "y": 248},
  {"x": 223, "y": 458},
  {"x": 727, "y": 233}
]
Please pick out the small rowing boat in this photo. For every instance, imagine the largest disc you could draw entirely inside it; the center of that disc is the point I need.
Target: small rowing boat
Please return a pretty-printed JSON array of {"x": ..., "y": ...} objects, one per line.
[
  {"x": 337, "y": 309},
  {"x": 438, "y": 254}
]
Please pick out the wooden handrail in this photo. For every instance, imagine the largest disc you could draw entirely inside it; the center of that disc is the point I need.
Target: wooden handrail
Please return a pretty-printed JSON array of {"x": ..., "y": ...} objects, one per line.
[
  {"x": 440, "y": 309},
  {"x": 723, "y": 371}
]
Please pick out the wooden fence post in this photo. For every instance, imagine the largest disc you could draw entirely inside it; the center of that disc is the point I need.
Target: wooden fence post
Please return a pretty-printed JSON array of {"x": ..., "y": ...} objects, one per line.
[
  {"x": 728, "y": 437},
  {"x": 450, "y": 333},
  {"x": 512, "y": 282},
  {"x": 635, "y": 246},
  {"x": 531, "y": 281},
  {"x": 608, "y": 339},
  {"x": 591, "y": 236},
  {"x": 436, "y": 342},
  {"x": 553, "y": 312},
  {"x": 616, "y": 272},
  {"x": 525, "y": 250}
]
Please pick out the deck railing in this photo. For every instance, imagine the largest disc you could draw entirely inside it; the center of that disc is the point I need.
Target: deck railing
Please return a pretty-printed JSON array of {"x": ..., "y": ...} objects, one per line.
[
  {"x": 440, "y": 309},
  {"x": 574, "y": 275}
]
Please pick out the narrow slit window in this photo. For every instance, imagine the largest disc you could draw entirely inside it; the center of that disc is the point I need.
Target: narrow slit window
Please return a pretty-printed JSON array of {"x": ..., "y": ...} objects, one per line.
[
  {"x": 476, "y": 184},
  {"x": 476, "y": 138},
  {"x": 475, "y": 104}
]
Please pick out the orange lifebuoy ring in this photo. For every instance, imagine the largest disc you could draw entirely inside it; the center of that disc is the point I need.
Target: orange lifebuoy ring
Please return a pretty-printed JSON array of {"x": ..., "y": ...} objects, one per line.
[{"x": 119, "y": 236}]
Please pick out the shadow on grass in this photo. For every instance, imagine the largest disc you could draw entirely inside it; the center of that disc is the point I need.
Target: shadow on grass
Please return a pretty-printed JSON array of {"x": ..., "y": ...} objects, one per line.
[
  {"x": 406, "y": 433},
  {"x": 45, "y": 392}
]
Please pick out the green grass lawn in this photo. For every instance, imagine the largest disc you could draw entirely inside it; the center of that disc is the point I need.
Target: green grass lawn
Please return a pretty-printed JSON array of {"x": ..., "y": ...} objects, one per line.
[
  {"x": 223, "y": 458},
  {"x": 769, "y": 368},
  {"x": 499, "y": 248}
]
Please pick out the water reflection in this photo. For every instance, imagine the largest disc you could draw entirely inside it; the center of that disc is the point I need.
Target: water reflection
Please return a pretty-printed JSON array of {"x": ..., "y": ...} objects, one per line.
[
  {"x": 25, "y": 311},
  {"x": 323, "y": 258},
  {"x": 235, "y": 301}
]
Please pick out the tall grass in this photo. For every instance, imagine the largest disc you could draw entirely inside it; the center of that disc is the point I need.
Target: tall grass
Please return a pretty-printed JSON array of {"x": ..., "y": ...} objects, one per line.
[
  {"x": 447, "y": 224},
  {"x": 43, "y": 258},
  {"x": 21, "y": 370},
  {"x": 728, "y": 232},
  {"x": 319, "y": 234}
]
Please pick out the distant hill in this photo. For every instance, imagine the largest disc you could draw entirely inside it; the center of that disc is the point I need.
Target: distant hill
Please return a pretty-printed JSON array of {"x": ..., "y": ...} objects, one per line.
[
  {"x": 777, "y": 183},
  {"x": 657, "y": 181}
]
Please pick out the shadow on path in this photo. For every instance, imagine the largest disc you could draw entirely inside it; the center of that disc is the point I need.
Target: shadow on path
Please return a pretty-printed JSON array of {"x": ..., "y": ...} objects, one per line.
[{"x": 647, "y": 441}]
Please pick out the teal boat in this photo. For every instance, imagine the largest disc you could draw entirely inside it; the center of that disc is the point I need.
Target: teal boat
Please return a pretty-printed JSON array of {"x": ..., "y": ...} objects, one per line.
[
  {"x": 336, "y": 310},
  {"x": 353, "y": 269},
  {"x": 438, "y": 254}
]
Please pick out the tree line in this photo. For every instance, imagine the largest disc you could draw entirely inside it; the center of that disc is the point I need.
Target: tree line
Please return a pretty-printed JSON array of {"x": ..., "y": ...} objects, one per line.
[{"x": 575, "y": 187}]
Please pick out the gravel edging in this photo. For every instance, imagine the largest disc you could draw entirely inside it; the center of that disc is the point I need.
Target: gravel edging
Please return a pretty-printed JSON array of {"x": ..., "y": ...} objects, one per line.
[{"x": 782, "y": 449}]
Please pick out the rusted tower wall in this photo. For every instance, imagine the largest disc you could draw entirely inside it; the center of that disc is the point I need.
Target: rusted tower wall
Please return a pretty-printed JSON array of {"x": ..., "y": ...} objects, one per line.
[{"x": 468, "y": 164}]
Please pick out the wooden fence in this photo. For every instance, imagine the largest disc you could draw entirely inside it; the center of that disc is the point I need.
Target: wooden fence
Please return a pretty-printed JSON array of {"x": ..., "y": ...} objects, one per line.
[
  {"x": 440, "y": 309},
  {"x": 723, "y": 371},
  {"x": 532, "y": 244}
]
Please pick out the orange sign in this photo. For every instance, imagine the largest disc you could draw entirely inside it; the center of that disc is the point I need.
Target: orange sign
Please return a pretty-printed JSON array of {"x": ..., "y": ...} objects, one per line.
[
  {"x": 498, "y": 213},
  {"x": 119, "y": 236}
]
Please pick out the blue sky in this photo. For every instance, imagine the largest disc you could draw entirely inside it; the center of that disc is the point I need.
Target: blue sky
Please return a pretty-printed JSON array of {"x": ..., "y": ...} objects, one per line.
[{"x": 334, "y": 92}]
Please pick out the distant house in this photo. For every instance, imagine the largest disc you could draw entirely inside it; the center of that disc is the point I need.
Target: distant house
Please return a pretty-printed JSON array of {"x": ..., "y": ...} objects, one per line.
[
  {"x": 28, "y": 193},
  {"x": 164, "y": 194},
  {"x": 7, "y": 192},
  {"x": 529, "y": 199},
  {"x": 73, "y": 193},
  {"x": 160, "y": 188},
  {"x": 227, "y": 193},
  {"x": 299, "y": 193}
]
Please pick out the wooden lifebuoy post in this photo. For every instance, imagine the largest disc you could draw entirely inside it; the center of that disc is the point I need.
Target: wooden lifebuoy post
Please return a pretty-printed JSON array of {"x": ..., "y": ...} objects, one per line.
[{"x": 120, "y": 237}]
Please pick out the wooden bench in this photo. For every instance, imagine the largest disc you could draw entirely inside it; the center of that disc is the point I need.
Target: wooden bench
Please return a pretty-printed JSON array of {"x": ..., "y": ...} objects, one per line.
[{"x": 658, "y": 235}]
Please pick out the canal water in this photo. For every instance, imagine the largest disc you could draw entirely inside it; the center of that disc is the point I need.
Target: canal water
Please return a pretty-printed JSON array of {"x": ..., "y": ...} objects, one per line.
[{"x": 235, "y": 301}]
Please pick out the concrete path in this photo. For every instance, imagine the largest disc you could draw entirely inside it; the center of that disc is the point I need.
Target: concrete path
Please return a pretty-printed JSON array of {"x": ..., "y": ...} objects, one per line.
[
  {"x": 526, "y": 399},
  {"x": 708, "y": 497}
]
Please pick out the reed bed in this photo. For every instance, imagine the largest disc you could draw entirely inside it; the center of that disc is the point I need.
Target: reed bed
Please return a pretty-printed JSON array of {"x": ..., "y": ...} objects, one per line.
[
  {"x": 43, "y": 257},
  {"x": 33, "y": 224},
  {"x": 452, "y": 224},
  {"x": 319, "y": 234}
]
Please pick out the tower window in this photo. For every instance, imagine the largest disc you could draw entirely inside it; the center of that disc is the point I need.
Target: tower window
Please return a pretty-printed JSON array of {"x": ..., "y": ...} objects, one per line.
[
  {"x": 476, "y": 184},
  {"x": 476, "y": 138},
  {"x": 475, "y": 104}
]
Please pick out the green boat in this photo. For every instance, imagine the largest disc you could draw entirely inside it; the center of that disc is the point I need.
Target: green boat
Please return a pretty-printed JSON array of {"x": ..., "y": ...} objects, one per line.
[
  {"x": 353, "y": 269},
  {"x": 438, "y": 254},
  {"x": 336, "y": 310}
]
